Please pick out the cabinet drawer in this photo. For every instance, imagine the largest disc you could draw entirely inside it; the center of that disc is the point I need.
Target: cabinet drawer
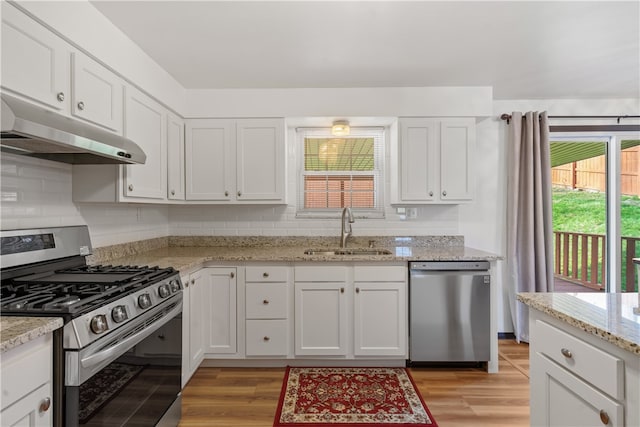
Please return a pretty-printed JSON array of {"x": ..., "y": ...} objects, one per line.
[
  {"x": 267, "y": 274},
  {"x": 266, "y": 337},
  {"x": 373, "y": 273},
  {"x": 34, "y": 358},
  {"x": 266, "y": 300},
  {"x": 321, "y": 274},
  {"x": 592, "y": 364}
]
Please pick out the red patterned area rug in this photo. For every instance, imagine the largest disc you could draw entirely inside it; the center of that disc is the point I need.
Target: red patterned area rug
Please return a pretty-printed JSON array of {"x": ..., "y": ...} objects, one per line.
[{"x": 350, "y": 397}]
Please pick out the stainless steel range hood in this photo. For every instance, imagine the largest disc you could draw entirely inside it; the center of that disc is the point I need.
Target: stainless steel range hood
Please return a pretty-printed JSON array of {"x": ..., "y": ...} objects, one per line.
[{"x": 30, "y": 130}]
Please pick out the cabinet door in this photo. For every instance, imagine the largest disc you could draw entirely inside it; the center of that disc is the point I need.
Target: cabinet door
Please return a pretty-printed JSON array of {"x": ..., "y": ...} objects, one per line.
[
  {"x": 320, "y": 319},
  {"x": 175, "y": 158},
  {"x": 196, "y": 314},
  {"x": 145, "y": 124},
  {"x": 560, "y": 399},
  {"x": 380, "y": 322},
  {"x": 220, "y": 303},
  {"x": 97, "y": 93},
  {"x": 418, "y": 148},
  {"x": 457, "y": 144},
  {"x": 210, "y": 159},
  {"x": 260, "y": 160},
  {"x": 30, "y": 410},
  {"x": 35, "y": 62}
]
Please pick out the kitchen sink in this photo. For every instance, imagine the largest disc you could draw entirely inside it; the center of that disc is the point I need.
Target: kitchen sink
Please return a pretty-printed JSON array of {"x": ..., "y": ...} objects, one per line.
[{"x": 331, "y": 252}]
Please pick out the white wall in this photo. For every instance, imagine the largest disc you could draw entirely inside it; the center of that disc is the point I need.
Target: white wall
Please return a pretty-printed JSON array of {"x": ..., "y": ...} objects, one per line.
[{"x": 37, "y": 193}]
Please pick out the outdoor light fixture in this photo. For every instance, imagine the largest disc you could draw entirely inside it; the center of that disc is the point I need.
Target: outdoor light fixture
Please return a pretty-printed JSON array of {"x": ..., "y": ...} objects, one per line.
[{"x": 340, "y": 128}]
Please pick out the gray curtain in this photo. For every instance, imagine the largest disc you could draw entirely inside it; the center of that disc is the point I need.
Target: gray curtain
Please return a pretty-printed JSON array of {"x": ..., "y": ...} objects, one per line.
[{"x": 529, "y": 226}]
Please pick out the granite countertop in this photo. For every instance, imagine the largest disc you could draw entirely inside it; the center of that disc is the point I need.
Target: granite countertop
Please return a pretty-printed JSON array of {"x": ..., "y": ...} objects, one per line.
[
  {"x": 609, "y": 316},
  {"x": 17, "y": 330},
  {"x": 190, "y": 257}
]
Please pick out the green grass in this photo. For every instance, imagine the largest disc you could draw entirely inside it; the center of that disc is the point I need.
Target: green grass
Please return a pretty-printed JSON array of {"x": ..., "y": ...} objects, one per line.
[{"x": 584, "y": 212}]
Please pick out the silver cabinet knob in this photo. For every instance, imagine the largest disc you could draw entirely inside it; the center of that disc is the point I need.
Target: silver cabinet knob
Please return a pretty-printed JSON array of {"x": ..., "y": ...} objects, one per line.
[
  {"x": 239, "y": 193},
  {"x": 130, "y": 187},
  {"x": 60, "y": 96},
  {"x": 173, "y": 192},
  {"x": 430, "y": 193},
  {"x": 226, "y": 193},
  {"x": 566, "y": 353},
  {"x": 266, "y": 339},
  {"x": 45, "y": 404},
  {"x": 265, "y": 301},
  {"x": 80, "y": 105},
  {"x": 444, "y": 193}
]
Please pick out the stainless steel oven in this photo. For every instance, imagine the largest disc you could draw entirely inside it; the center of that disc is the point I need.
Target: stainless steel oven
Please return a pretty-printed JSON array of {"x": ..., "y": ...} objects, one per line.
[{"x": 117, "y": 359}]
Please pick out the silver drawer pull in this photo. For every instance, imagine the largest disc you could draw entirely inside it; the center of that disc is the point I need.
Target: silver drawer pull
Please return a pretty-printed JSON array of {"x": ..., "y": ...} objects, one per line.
[
  {"x": 265, "y": 301},
  {"x": 266, "y": 339},
  {"x": 566, "y": 353},
  {"x": 604, "y": 417}
]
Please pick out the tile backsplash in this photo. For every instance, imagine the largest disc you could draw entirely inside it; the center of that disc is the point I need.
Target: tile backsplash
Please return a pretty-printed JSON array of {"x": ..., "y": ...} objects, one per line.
[{"x": 37, "y": 193}]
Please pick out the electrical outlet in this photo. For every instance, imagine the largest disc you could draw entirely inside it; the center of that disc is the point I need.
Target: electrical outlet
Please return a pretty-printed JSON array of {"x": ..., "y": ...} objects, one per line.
[{"x": 412, "y": 213}]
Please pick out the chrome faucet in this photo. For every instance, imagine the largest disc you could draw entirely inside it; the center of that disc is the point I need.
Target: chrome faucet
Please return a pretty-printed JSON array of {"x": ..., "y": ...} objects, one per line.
[{"x": 346, "y": 226}]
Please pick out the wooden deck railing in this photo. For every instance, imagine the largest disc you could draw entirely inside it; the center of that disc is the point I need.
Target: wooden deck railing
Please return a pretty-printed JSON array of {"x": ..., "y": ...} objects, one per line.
[{"x": 580, "y": 258}]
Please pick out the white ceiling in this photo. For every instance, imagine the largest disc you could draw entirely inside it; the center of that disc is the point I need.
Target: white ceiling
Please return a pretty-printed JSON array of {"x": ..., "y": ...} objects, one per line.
[{"x": 525, "y": 50}]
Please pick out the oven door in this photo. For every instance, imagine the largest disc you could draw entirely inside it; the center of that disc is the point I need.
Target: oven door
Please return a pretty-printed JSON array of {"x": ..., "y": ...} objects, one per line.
[{"x": 132, "y": 378}]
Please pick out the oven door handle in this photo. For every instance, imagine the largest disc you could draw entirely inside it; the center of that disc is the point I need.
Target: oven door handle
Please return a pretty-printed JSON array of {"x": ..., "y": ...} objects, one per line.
[{"x": 101, "y": 356}]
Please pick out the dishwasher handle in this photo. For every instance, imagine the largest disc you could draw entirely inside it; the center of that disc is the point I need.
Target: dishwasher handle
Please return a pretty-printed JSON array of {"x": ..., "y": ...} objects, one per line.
[{"x": 449, "y": 265}]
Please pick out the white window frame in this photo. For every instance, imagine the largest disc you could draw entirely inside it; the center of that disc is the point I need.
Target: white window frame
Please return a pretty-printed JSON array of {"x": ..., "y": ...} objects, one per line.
[{"x": 379, "y": 134}]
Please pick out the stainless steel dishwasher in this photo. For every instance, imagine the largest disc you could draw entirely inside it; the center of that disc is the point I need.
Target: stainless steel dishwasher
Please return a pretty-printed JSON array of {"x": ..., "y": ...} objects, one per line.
[{"x": 449, "y": 311}]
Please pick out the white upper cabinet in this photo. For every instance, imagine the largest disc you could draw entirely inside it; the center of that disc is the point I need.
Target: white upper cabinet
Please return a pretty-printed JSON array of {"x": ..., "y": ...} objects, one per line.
[
  {"x": 146, "y": 124},
  {"x": 433, "y": 161},
  {"x": 235, "y": 161},
  {"x": 260, "y": 160},
  {"x": 457, "y": 145},
  {"x": 35, "y": 62},
  {"x": 175, "y": 157},
  {"x": 210, "y": 159},
  {"x": 97, "y": 93}
]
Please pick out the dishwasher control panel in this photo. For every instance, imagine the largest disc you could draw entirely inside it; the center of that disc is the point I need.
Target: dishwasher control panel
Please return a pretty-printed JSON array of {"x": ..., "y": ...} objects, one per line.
[{"x": 449, "y": 265}]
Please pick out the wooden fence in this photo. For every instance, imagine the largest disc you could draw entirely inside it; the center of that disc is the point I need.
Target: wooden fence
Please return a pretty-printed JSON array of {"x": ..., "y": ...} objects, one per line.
[
  {"x": 589, "y": 174},
  {"x": 580, "y": 258}
]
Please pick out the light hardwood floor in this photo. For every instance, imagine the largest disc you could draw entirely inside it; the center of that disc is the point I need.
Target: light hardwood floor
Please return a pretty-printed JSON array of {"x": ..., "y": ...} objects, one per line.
[{"x": 456, "y": 397}]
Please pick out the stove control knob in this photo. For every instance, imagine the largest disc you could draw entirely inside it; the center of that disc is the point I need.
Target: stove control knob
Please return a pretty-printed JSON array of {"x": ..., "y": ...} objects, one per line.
[
  {"x": 119, "y": 314},
  {"x": 175, "y": 285},
  {"x": 99, "y": 324},
  {"x": 144, "y": 301},
  {"x": 164, "y": 291}
]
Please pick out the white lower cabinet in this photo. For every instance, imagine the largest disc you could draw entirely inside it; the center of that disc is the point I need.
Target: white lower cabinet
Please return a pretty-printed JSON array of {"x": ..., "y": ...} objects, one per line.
[
  {"x": 26, "y": 377},
  {"x": 220, "y": 304},
  {"x": 352, "y": 311},
  {"x": 580, "y": 380},
  {"x": 380, "y": 311},
  {"x": 267, "y": 308},
  {"x": 321, "y": 318},
  {"x": 339, "y": 311},
  {"x": 193, "y": 321}
]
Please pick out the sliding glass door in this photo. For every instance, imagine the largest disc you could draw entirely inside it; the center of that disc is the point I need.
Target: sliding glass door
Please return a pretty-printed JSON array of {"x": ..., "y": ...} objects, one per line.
[{"x": 596, "y": 210}]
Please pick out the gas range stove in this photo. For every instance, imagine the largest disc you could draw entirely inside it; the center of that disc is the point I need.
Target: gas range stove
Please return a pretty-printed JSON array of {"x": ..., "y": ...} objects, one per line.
[{"x": 93, "y": 300}]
